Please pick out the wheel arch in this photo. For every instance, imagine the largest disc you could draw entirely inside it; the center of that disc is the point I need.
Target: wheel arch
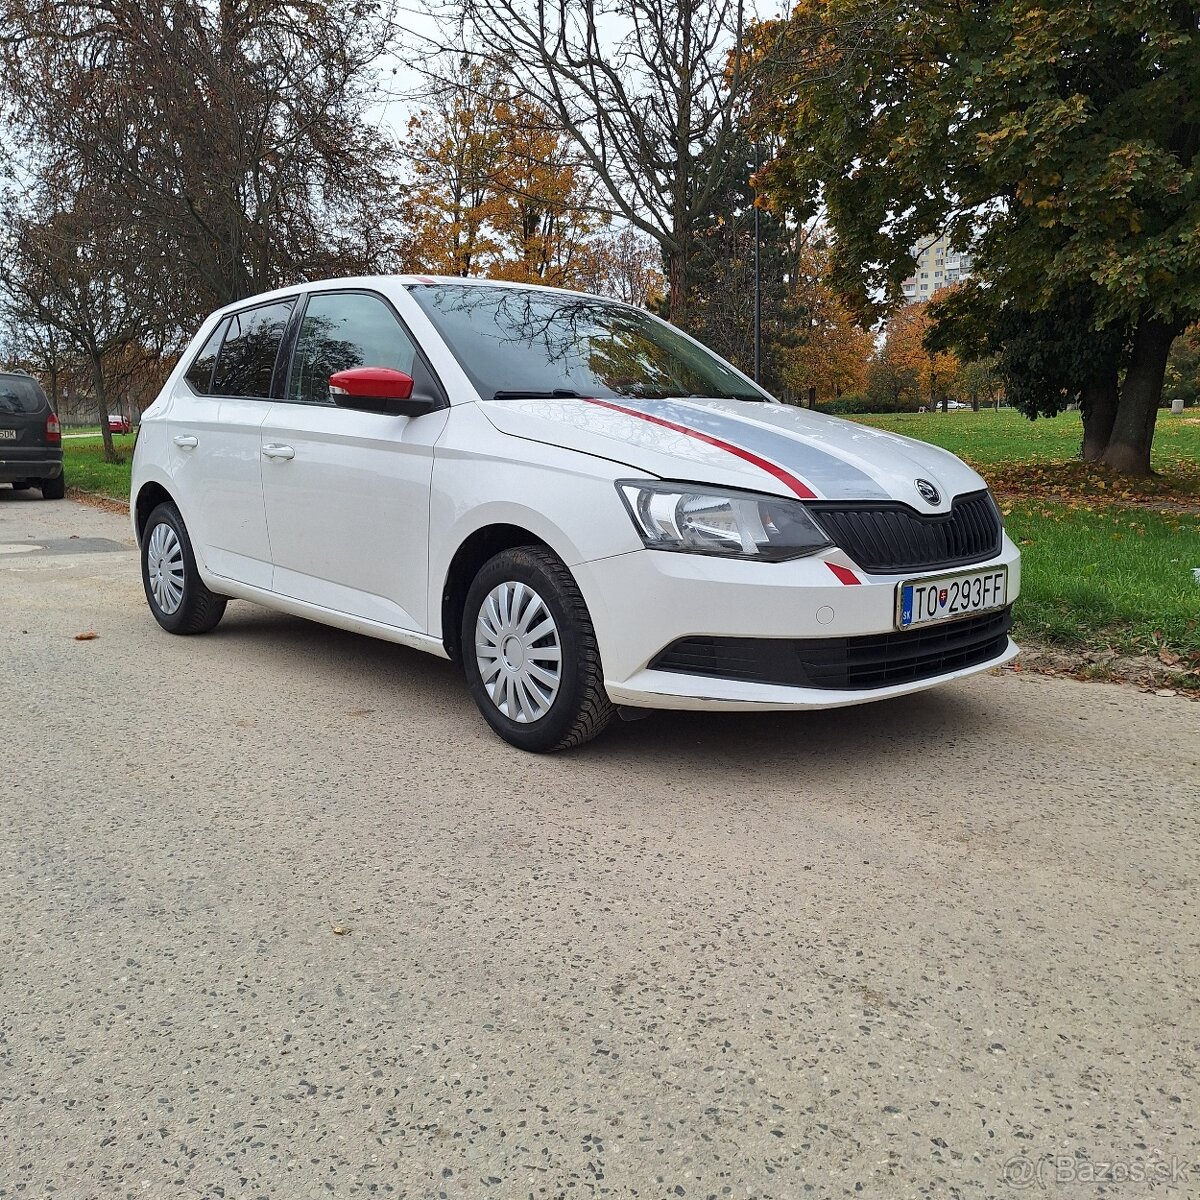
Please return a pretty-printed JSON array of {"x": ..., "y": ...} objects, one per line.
[
  {"x": 484, "y": 543},
  {"x": 149, "y": 497}
]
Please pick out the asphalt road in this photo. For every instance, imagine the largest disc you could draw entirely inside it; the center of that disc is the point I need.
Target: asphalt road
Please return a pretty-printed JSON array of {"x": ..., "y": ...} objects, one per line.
[{"x": 946, "y": 946}]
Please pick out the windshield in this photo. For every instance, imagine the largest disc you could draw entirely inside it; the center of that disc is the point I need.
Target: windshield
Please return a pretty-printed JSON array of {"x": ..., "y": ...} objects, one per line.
[{"x": 515, "y": 342}]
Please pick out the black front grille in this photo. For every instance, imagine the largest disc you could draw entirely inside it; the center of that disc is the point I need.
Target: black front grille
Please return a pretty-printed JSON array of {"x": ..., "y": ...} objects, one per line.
[
  {"x": 874, "y": 661},
  {"x": 889, "y": 538}
]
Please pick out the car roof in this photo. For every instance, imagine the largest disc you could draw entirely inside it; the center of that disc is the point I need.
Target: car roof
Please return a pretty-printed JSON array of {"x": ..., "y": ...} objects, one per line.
[
  {"x": 374, "y": 282},
  {"x": 25, "y": 375}
]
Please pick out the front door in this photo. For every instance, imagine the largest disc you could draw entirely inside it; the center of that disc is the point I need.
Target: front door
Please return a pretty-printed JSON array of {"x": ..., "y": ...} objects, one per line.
[{"x": 347, "y": 493}]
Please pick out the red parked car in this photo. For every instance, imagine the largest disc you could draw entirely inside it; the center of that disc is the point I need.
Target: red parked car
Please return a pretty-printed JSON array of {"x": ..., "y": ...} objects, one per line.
[{"x": 119, "y": 424}]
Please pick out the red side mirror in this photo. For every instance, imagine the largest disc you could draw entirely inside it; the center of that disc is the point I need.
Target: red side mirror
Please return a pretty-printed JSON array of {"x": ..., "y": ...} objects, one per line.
[{"x": 371, "y": 383}]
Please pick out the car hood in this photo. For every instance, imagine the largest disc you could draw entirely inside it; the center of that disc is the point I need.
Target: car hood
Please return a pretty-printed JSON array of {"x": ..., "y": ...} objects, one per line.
[{"x": 774, "y": 448}]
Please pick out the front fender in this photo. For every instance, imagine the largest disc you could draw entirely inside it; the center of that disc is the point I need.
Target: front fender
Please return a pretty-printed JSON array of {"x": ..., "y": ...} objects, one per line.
[{"x": 509, "y": 481}]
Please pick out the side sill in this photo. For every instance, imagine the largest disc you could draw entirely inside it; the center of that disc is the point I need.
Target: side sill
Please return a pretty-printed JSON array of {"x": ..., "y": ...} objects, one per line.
[{"x": 325, "y": 616}]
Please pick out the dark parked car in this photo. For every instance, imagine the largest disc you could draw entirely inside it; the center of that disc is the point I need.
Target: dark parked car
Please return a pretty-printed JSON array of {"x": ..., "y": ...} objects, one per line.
[{"x": 30, "y": 438}]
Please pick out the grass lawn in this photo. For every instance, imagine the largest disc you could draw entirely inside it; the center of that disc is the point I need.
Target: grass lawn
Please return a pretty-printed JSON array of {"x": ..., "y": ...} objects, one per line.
[
  {"x": 989, "y": 438},
  {"x": 83, "y": 461},
  {"x": 1113, "y": 577},
  {"x": 1096, "y": 574}
]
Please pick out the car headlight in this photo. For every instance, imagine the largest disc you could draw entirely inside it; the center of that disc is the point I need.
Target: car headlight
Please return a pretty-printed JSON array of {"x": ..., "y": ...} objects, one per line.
[{"x": 692, "y": 519}]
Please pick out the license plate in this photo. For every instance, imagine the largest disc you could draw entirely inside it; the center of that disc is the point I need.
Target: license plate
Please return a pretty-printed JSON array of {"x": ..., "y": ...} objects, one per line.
[
  {"x": 948, "y": 597},
  {"x": 8, "y": 435}
]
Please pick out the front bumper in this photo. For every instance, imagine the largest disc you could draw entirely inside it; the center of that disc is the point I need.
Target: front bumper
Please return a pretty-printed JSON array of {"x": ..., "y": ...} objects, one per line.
[{"x": 645, "y": 601}]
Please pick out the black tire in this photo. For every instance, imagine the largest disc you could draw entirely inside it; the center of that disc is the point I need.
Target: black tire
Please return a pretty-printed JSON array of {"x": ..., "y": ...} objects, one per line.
[
  {"x": 54, "y": 489},
  {"x": 580, "y": 709},
  {"x": 199, "y": 609}
]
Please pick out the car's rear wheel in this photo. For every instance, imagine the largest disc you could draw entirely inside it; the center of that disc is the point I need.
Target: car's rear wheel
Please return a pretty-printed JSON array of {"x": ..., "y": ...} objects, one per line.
[
  {"x": 530, "y": 655},
  {"x": 54, "y": 489},
  {"x": 175, "y": 592}
]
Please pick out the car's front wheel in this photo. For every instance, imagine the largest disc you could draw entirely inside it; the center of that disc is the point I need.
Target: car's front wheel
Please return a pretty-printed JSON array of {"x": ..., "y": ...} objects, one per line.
[
  {"x": 530, "y": 655},
  {"x": 175, "y": 592}
]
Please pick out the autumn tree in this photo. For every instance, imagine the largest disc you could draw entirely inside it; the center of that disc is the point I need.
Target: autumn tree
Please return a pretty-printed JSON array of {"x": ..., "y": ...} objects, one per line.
[
  {"x": 547, "y": 215},
  {"x": 904, "y": 374},
  {"x": 647, "y": 90},
  {"x": 231, "y": 134},
  {"x": 978, "y": 382},
  {"x": 624, "y": 264},
  {"x": 826, "y": 352},
  {"x": 1056, "y": 140},
  {"x": 807, "y": 338},
  {"x": 38, "y": 348},
  {"x": 74, "y": 274},
  {"x": 497, "y": 187},
  {"x": 453, "y": 146}
]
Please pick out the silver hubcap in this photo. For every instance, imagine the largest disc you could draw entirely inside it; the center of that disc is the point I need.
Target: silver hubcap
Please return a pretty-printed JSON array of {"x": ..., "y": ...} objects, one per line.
[
  {"x": 164, "y": 566},
  {"x": 518, "y": 652}
]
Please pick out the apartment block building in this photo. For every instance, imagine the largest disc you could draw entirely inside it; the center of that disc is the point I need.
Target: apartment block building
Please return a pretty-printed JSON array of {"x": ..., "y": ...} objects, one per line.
[{"x": 938, "y": 266}]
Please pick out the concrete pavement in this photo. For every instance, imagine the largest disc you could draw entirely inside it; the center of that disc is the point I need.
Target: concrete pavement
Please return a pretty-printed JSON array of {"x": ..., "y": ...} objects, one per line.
[{"x": 946, "y": 946}]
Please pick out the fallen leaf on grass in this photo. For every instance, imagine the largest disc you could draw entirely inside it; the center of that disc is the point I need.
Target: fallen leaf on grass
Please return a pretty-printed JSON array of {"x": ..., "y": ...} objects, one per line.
[
  {"x": 1169, "y": 657},
  {"x": 90, "y": 636}
]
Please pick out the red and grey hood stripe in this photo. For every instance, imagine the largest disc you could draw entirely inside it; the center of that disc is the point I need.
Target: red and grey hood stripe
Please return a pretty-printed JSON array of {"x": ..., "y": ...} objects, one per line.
[{"x": 805, "y": 470}]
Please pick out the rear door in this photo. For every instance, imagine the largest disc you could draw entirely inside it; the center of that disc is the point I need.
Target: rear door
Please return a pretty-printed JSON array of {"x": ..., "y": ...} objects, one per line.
[
  {"x": 215, "y": 418},
  {"x": 347, "y": 493}
]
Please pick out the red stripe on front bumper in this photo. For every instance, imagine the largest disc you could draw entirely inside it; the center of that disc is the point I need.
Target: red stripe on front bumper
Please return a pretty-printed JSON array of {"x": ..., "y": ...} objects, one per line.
[{"x": 846, "y": 575}]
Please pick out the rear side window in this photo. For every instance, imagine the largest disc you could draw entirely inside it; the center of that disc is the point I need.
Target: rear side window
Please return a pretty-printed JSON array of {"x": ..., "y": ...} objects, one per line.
[
  {"x": 341, "y": 330},
  {"x": 20, "y": 394},
  {"x": 199, "y": 374},
  {"x": 246, "y": 361}
]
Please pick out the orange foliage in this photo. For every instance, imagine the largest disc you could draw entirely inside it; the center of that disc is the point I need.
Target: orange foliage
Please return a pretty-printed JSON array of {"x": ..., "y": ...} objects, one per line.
[
  {"x": 903, "y": 365},
  {"x": 826, "y": 349},
  {"x": 498, "y": 190}
]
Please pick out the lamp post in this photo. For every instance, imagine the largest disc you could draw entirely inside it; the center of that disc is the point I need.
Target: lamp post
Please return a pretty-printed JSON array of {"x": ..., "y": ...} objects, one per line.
[{"x": 757, "y": 277}]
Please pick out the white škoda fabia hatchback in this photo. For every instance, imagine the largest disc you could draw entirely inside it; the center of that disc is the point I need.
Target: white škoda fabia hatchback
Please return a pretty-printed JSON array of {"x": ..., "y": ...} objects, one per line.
[{"x": 587, "y": 509}]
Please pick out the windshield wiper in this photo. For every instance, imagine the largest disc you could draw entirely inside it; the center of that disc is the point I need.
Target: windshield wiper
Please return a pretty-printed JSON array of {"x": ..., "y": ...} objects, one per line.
[
  {"x": 521, "y": 394},
  {"x": 749, "y": 397}
]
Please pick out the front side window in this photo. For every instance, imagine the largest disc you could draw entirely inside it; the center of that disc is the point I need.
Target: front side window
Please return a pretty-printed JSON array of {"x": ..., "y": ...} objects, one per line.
[
  {"x": 523, "y": 342},
  {"x": 342, "y": 330},
  {"x": 246, "y": 362}
]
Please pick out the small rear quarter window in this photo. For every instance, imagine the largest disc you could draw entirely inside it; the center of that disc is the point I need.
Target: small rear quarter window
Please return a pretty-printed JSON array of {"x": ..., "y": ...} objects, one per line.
[{"x": 199, "y": 374}]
